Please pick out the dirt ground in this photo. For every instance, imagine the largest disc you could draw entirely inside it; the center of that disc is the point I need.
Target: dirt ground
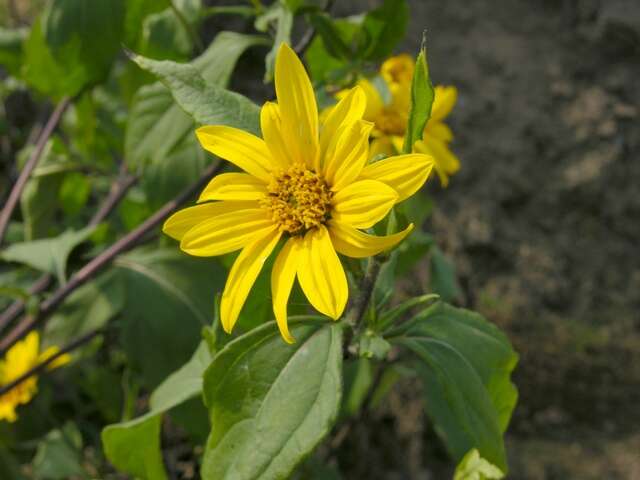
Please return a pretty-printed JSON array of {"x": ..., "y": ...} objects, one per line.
[{"x": 543, "y": 220}]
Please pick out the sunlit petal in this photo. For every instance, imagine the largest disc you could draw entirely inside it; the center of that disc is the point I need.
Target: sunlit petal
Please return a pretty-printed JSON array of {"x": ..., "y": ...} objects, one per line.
[
  {"x": 321, "y": 275},
  {"x": 348, "y": 155},
  {"x": 234, "y": 186},
  {"x": 226, "y": 233},
  {"x": 183, "y": 220},
  {"x": 444, "y": 101},
  {"x": 352, "y": 242},
  {"x": 404, "y": 173},
  {"x": 244, "y": 150},
  {"x": 298, "y": 108},
  {"x": 282, "y": 277},
  {"x": 363, "y": 203},
  {"x": 243, "y": 275},
  {"x": 346, "y": 112},
  {"x": 271, "y": 125},
  {"x": 445, "y": 162}
]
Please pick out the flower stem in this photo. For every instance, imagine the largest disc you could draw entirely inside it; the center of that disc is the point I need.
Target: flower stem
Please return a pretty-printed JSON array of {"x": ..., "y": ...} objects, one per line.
[{"x": 359, "y": 307}]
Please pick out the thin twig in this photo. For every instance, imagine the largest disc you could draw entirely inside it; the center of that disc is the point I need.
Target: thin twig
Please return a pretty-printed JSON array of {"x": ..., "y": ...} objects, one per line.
[
  {"x": 16, "y": 192},
  {"x": 360, "y": 304},
  {"x": 118, "y": 190},
  {"x": 41, "y": 366},
  {"x": 105, "y": 258}
]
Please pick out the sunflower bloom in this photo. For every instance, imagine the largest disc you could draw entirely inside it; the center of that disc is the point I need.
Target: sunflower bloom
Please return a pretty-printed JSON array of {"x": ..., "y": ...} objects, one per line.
[
  {"x": 20, "y": 358},
  {"x": 390, "y": 119},
  {"x": 304, "y": 183}
]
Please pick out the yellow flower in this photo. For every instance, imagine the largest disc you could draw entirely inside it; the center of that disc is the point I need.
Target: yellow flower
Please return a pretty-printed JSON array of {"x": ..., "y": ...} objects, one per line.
[
  {"x": 305, "y": 183},
  {"x": 20, "y": 358},
  {"x": 391, "y": 118}
]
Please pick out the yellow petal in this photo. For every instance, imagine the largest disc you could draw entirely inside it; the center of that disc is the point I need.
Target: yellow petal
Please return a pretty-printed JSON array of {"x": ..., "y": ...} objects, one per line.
[
  {"x": 282, "y": 278},
  {"x": 226, "y": 233},
  {"x": 244, "y": 150},
  {"x": 356, "y": 244},
  {"x": 363, "y": 203},
  {"x": 234, "y": 186},
  {"x": 445, "y": 162},
  {"x": 398, "y": 69},
  {"x": 439, "y": 130},
  {"x": 348, "y": 111},
  {"x": 183, "y": 220},
  {"x": 374, "y": 100},
  {"x": 381, "y": 146},
  {"x": 298, "y": 108},
  {"x": 58, "y": 362},
  {"x": 243, "y": 275},
  {"x": 271, "y": 125},
  {"x": 349, "y": 155},
  {"x": 444, "y": 101},
  {"x": 404, "y": 173},
  {"x": 321, "y": 275}
]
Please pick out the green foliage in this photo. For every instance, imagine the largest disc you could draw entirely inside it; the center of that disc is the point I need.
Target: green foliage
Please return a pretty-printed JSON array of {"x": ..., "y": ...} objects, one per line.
[
  {"x": 466, "y": 370},
  {"x": 474, "y": 467},
  {"x": 73, "y": 44},
  {"x": 271, "y": 403},
  {"x": 422, "y": 96},
  {"x": 134, "y": 447},
  {"x": 47, "y": 255},
  {"x": 206, "y": 102},
  {"x": 383, "y": 28},
  {"x": 59, "y": 454},
  {"x": 11, "y": 47}
]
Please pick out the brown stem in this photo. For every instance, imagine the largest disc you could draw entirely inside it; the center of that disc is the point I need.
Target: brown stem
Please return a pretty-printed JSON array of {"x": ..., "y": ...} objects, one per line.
[
  {"x": 98, "y": 263},
  {"x": 118, "y": 190},
  {"x": 41, "y": 366},
  {"x": 16, "y": 192},
  {"x": 360, "y": 304}
]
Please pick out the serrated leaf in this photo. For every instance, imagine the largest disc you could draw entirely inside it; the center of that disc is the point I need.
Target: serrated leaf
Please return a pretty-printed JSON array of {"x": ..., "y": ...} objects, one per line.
[
  {"x": 270, "y": 403},
  {"x": 206, "y": 102},
  {"x": 157, "y": 126},
  {"x": 47, "y": 254},
  {"x": 422, "y": 95}
]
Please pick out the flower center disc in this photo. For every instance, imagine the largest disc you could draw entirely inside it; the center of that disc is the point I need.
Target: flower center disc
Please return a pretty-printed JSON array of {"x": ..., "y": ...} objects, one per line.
[
  {"x": 298, "y": 199},
  {"x": 391, "y": 122}
]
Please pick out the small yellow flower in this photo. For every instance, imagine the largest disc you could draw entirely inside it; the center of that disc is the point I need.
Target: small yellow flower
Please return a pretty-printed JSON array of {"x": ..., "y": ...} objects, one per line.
[
  {"x": 20, "y": 358},
  {"x": 305, "y": 183},
  {"x": 391, "y": 119}
]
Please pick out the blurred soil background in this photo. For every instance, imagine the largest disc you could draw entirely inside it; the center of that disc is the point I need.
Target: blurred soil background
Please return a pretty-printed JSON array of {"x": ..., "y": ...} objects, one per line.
[{"x": 543, "y": 223}]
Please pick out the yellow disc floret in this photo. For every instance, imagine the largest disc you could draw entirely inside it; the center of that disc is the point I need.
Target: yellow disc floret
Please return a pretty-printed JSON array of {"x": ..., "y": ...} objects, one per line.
[{"x": 298, "y": 199}]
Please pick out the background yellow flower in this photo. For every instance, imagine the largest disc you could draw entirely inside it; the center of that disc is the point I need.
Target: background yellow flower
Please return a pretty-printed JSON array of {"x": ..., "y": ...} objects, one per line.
[{"x": 20, "y": 358}]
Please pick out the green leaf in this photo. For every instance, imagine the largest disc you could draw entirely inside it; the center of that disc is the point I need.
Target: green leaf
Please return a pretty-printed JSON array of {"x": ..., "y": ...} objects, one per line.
[
  {"x": 134, "y": 447},
  {"x": 164, "y": 37},
  {"x": 72, "y": 45},
  {"x": 283, "y": 17},
  {"x": 443, "y": 276},
  {"x": 474, "y": 467},
  {"x": 323, "y": 57},
  {"x": 157, "y": 126},
  {"x": 271, "y": 403},
  {"x": 486, "y": 348},
  {"x": 422, "y": 95},
  {"x": 48, "y": 254},
  {"x": 358, "y": 378},
  {"x": 383, "y": 28},
  {"x": 11, "y": 46},
  {"x": 89, "y": 307},
  {"x": 332, "y": 37},
  {"x": 169, "y": 298},
  {"x": 468, "y": 390},
  {"x": 121, "y": 441},
  {"x": 59, "y": 455},
  {"x": 136, "y": 12},
  {"x": 74, "y": 193},
  {"x": 206, "y": 102},
  {"x": 456, "y": 400}
]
